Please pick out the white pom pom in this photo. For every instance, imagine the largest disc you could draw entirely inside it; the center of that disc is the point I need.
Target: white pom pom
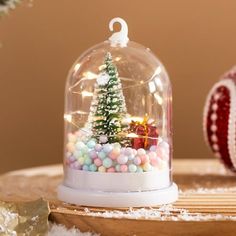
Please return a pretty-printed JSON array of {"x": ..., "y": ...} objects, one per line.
[
  {"x": 103, "y": 139},
  {"x": 103, "y": 79}
]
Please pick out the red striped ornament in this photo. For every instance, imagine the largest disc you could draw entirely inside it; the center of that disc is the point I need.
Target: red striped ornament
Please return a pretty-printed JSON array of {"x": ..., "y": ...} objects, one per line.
[{"x": 219, "y": 119}]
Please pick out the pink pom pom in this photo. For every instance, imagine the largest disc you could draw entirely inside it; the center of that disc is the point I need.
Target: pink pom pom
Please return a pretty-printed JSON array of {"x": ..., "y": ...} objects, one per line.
[
  {"x": 114, "y": 153},
  {"x": 155, "y": 161},
  {"x": 98, "y": 162},
  {"x": 111, "y": 170},
  {"x": 123, "y": 168},
  {"x": 152, "y": 154},
  {"x": 93, "y": 154},
  {"x": 144, "y": 159}
]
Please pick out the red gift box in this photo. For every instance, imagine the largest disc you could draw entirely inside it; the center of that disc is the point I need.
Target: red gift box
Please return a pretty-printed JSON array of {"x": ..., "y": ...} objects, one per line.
[{"x": 148, "y": 134}]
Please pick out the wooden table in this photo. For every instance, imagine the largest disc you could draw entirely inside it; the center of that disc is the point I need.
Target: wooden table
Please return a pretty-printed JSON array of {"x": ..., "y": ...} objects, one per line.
[{"x": 206, "y": 206}]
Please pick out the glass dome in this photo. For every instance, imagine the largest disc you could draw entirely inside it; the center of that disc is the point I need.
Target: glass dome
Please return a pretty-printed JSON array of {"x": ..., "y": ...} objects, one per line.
[{"x": 118, "y": 127}]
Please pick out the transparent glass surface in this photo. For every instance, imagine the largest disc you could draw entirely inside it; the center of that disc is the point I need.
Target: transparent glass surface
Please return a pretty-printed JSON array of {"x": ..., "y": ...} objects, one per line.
[{"x": 118, "y": 105}]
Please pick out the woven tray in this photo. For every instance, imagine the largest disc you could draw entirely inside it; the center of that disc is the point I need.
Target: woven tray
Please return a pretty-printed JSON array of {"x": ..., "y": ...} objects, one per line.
[{"x": 206, "y": 206}]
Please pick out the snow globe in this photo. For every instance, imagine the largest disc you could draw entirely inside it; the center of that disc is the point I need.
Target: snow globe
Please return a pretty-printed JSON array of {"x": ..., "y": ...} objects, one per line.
[{"x": 118, "y": 127}]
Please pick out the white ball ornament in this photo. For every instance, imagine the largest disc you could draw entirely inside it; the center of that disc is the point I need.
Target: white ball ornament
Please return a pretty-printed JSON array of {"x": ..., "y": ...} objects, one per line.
[
  {"x": 103, "y": 139},
  {"x": 122, "y": 159},
  {"x": 141, "y": 152},
  {"x": 103, "y": 79},
  {"x": 128, "y": 151}
]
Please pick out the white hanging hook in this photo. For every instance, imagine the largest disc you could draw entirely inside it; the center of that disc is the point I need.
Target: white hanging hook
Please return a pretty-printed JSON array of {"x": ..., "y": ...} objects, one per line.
[{"x": 121, "y": 37}]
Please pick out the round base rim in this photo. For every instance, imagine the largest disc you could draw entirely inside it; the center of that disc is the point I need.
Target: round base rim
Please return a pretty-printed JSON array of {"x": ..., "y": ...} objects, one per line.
[{"x": 118, "y": 199}]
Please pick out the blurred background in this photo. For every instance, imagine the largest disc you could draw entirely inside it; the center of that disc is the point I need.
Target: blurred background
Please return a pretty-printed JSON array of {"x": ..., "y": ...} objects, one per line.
[{"x": 194, "y": 39}]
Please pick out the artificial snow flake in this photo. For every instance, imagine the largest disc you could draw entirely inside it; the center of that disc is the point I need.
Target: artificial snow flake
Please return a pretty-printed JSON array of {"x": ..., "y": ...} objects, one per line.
[
  {"x": 165, "y": 212},
  {"x": 103, "y": 79},
  {"x": 56, "y": 230}
]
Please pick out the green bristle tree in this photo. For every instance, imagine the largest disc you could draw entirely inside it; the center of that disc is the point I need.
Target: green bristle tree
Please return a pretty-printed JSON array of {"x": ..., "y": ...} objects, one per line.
[{"x": 108, "y": 107}]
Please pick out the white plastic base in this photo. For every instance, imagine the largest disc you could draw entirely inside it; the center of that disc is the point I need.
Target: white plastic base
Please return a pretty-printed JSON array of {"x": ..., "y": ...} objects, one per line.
[
  {"x": 118, "y": 199},
  {"x": 116, "y": 182}
]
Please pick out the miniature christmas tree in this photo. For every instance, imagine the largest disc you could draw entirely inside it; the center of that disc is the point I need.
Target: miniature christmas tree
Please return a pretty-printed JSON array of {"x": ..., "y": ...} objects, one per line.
[{"x": 108, "y": 107}]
